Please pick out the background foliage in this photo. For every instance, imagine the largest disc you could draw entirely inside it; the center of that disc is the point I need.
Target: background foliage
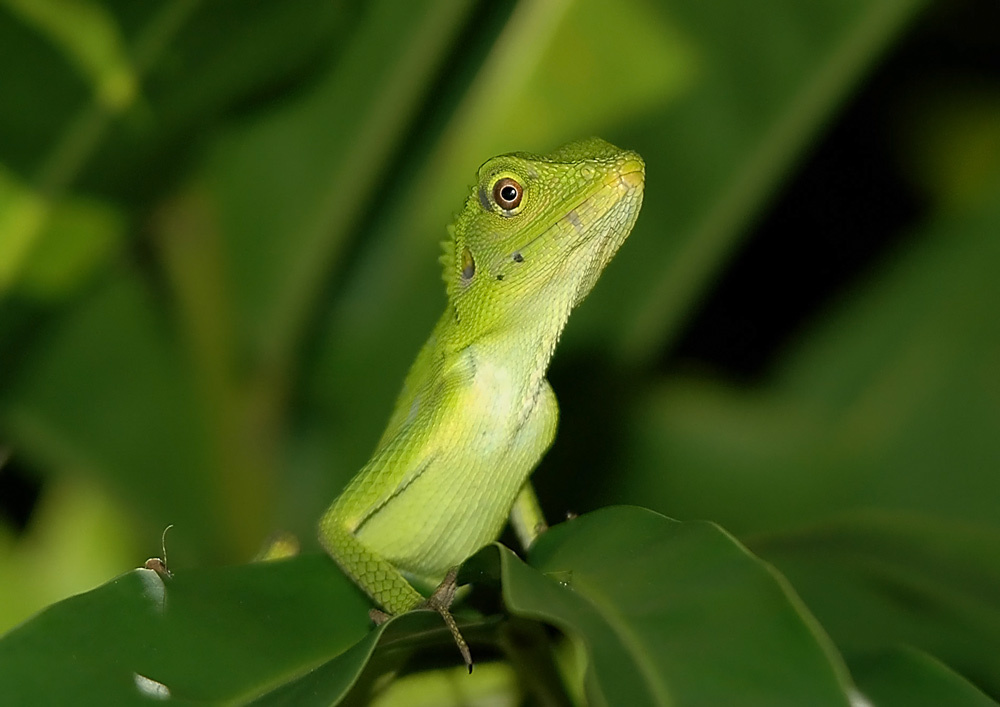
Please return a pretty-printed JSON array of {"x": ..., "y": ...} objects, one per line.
[{"x": 218, "y": 241}]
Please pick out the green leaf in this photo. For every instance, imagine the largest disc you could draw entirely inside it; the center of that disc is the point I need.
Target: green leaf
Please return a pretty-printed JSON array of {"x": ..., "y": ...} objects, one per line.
[
  {"x": 205, "y": 635},
  {"x": 905, "y": 677},
  {"x": 674, "y": 614},
  {"x": 329, "y": 683},
  {"x": 649, "y": 597},
  {"x": 879, "y": 579}
]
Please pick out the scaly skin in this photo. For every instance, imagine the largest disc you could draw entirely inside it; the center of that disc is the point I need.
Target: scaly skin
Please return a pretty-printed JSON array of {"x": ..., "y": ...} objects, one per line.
[{"x": 476, "y": 412}]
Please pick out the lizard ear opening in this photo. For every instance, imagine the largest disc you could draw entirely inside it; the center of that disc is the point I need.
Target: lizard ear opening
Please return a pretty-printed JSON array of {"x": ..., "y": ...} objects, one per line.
[{"x": 468, "y": 266}]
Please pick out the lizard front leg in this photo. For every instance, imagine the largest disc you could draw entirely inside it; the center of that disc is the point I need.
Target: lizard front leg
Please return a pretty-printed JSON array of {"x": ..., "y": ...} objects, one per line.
[{"x": 385, "y": 584}]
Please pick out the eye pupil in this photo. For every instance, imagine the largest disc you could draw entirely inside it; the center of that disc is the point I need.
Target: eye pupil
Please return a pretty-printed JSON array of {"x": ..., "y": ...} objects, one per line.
[{"x": 507, "y": 193}]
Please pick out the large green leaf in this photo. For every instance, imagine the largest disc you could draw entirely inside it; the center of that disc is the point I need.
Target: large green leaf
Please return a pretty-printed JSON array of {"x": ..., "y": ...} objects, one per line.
[
  {"x": 674, "y": 614},
  {"x": 217, "y": 635},
  {"x": 908, "y": 678},
  {"x": 876, "y": 580},
  {"x": 648, "y": 597}
]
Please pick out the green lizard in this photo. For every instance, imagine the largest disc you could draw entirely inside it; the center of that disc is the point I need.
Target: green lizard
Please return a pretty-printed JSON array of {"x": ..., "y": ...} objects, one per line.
[{"x": 476, "y": 413}]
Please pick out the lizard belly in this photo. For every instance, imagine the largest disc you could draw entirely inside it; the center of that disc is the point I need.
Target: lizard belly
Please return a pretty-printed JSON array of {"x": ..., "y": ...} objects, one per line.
[{"x": 447, "y": 513}]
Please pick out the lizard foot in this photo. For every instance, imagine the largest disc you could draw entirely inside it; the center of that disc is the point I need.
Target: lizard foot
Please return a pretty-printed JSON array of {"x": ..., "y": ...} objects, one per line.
[{"x": 440, "y": 601}]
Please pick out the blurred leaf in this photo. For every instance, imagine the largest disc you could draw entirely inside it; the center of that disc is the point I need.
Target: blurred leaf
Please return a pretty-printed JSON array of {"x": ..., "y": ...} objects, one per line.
[
  {"x": 769, "y": 75},
  {"x": 951, "y": 140},
  {"x": 40, "y": 92},
  {"x": 22, "y": 216},
  {"x": 908, "y": 678},
  {"x": 630, "y": 49},
  {"x": 291, "y": 184},
  {"x": 205, "y": 66},
  {"x": 495, "y": 685},
  {"x": 77, "y": 539},
  {"x": 48, "y": 248},
  {"x": 674, "y": 613},
  {"x": 80, "y": 236},
  {"x": 110, "y": 396},
  {"x": 89, "y": 36},
  {"x": 74, "y": 233},
  {"x": 890, "y": 402},
  {"x": 877, "y": 580},
  {"x": 234, "y": 59}
]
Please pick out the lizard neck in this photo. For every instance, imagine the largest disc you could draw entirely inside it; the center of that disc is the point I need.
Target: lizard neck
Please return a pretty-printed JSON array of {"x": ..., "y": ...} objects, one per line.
[{"x": 521, "y": 339}]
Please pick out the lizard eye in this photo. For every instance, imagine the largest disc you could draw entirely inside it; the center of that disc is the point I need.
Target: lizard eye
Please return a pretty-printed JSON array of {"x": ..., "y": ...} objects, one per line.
[{"x": 507, "y": 194}]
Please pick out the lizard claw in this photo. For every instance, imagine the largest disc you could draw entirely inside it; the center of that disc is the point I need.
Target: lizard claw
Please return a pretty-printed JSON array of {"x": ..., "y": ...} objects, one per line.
[{"x": 440, "y": 601}]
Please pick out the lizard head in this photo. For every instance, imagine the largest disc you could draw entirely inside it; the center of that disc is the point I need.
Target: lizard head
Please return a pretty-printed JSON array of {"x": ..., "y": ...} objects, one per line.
[{"x": 539, "y": 229}]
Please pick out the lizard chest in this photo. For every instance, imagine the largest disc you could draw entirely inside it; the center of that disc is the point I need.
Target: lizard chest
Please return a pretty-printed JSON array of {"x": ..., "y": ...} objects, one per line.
[
  {"x": 501, "y": 398},
  {"x": 484, "y": 444}
]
